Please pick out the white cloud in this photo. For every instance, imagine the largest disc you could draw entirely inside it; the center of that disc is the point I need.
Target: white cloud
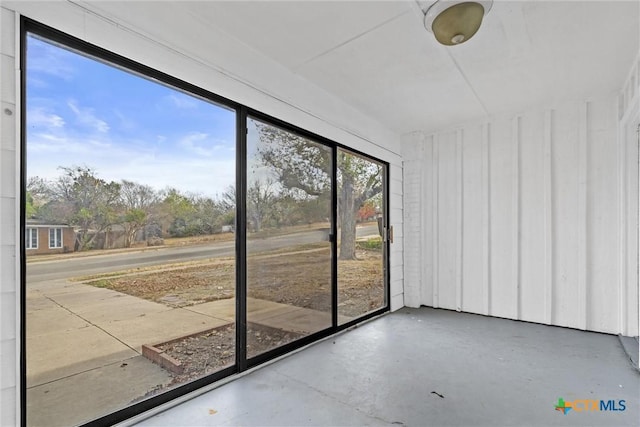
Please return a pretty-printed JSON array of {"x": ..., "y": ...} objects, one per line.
[
  {"x": 206, "y": 178},
  {"x": 51, "y": 60},
  {"x": 182, "y": 101},
  {"x": 48, "y": 143},
  {"x": 126, "y": 123},
  {"x": 169, "y": 165},
  {"x": 39, "y": 117},
  {"x": 201, "y": 144},
  {"x": 87, "y": 117}
]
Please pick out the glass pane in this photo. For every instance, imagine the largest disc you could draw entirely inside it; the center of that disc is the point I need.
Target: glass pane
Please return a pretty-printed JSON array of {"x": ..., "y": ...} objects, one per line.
[
  {"x": 137, "y": 180},
  {"x": 288, "y": 245},
  {"x": 361, "y": 248}
]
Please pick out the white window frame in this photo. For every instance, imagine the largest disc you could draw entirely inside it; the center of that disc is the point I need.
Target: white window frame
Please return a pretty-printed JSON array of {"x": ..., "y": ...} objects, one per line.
[
  {"x": 56, "y": 242},
  {"x": 30, "y": 232}
]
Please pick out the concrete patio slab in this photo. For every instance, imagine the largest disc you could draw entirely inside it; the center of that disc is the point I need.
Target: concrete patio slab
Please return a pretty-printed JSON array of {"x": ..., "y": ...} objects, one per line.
[
  {"x": 124, "y": 381},
  {"x": 300, "y": 320},
  {"x": 258, "y": 310},
  {"x": 224, "y": 309},
  {"x": 76, "y": 295},
  {"x": 51, "y": 320},
  {"x": 160, "y": 327},
  {"x": 117, "y": 308},
  {"x": 62, "y": 286},
  {"x": 269, "y": 313},
  {"x": 37, "y": 301},
  {"x": 59, "y": 354}
]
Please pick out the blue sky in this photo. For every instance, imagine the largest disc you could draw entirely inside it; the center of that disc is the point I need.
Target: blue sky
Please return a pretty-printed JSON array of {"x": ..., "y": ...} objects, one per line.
[{"x": 83, "y": 112}]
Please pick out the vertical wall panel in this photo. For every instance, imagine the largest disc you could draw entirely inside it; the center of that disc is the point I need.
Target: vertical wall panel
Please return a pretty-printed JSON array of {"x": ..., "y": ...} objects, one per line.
[
  {"x": 448, "y": 224},
  {"x": 629, "y": 139},
  {"x": 565, "y": 218},
  {"x": 583, "y": 216},
  {"x": 532, "y": 217},
  {"x": 502, "y": 180},
  {"x": 473, "y": 248},
  {"x": 435, "y": 226},
  {"x": 458, "y": 218},
  {"x": 427, "y": 230},
  {"x": 516, "y": 141},
  {"x": 486, "y": 218},
  {"x": 631, "y": 320},
  {"x": 628, "y": 241},
  {"x": 603, "y": 257},
  {"x": 547, "y": 215}
]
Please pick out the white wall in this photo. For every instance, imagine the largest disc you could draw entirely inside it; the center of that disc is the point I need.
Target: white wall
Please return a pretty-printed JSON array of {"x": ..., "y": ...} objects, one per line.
[
  {"x": 526, "y": 216},
  {"x": 8, "y": 218},
  {"x": 629, "y": 137},
  {"x": 268, "y": 87}
]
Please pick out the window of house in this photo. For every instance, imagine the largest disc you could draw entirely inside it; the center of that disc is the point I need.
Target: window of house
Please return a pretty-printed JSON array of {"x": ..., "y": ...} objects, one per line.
[
  {"x": 55, "y": 238},
  {"x": 31, "y": 238}
]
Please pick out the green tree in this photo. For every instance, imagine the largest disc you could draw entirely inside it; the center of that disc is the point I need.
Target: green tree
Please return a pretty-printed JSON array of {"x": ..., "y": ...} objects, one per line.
[
  {"x": 82, "y": 199},
  {"x": 178, "y": 211},
  {"x": 208, "y": 216},
  {"x": 137, "y": 202},
  {"x": 30, "y": 210}
]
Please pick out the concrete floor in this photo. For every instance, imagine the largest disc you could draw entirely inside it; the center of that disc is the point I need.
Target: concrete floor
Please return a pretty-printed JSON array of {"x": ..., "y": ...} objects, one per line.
[{"x": 485, "y": 371}]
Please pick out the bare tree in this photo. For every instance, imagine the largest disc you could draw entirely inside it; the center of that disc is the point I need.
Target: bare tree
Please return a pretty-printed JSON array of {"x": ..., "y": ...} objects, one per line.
[
  {"x": 305, "y": 165},
  {"x": 261, "y": 199},
  {"x": 359, "y": 180},
  {"x": 137, "y": 201}
]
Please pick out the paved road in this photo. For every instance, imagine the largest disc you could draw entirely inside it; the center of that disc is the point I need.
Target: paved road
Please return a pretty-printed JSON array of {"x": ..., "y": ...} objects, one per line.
[{"x": 74, "y": 267}]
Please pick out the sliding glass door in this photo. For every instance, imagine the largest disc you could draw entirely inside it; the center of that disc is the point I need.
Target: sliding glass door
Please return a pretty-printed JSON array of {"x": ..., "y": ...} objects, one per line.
[
  {"x": 361, "y": 237},
  {"x": 171, "y": 237},
  {"x": 288, "y": 213}
]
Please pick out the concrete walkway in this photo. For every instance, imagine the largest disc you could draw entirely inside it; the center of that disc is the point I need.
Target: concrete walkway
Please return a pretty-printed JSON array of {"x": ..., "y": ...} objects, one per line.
[{"x": 84, "y": 344}]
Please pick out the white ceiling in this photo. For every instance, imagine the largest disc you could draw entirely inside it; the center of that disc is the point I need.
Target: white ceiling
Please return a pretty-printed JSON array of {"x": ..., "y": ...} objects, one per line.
[{"x": 377, "y": 56}]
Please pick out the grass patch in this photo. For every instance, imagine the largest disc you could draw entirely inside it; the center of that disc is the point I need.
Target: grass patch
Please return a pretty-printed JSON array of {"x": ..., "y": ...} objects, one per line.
[
  {"x": 198, "y": 240},
  {"x": 374, "y": 244},
  {"x": 151, "y": 268},
  {"x": 101, "y": 283}
]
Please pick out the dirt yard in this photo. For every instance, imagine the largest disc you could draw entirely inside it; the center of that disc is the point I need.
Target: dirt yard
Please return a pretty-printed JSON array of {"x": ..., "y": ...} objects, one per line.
[
  {"x": 209, "y": 352},
  {"x": 302, "y": 279}
]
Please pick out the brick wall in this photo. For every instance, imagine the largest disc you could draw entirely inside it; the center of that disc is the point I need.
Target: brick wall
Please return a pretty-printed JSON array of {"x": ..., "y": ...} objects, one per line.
[{"x": 68, "y": 241}]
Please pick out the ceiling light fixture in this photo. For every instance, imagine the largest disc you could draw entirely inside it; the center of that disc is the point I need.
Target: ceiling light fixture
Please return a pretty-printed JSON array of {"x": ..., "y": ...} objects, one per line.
[{"x": 454, "y": 22}]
